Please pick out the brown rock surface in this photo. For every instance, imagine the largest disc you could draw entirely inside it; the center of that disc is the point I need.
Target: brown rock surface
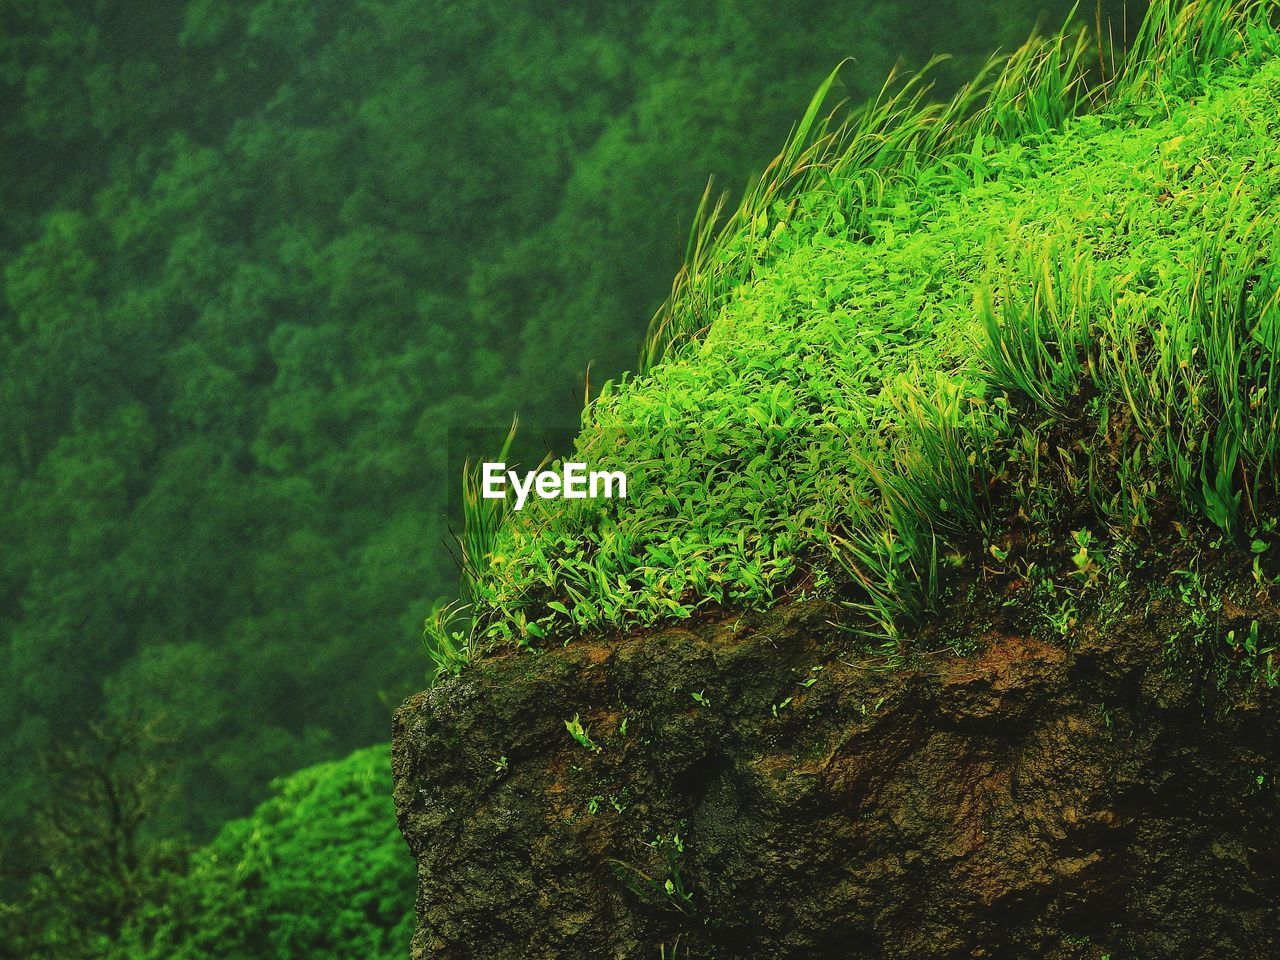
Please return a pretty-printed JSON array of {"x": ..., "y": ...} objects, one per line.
[{"x": 1028, "y": 802}]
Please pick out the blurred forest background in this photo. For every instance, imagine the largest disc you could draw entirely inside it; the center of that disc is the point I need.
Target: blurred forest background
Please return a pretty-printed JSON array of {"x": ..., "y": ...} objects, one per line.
[{"x": 260, "y": 258}]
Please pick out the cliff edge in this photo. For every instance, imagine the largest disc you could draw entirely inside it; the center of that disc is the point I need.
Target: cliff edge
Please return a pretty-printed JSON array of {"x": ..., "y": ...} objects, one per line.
[
  {"x": 940, "y": 619},
  {"x": 748, "y": 788}
]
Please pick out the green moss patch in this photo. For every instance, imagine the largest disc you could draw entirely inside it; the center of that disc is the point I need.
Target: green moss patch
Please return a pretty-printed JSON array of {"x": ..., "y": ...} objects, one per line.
[{"x": 858, "y": 398}]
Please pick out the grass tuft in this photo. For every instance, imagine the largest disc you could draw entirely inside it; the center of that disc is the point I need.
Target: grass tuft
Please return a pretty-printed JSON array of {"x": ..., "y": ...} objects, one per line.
[
  {"x": 921, "y": 308},
  {"x": 449, "y": 633}
]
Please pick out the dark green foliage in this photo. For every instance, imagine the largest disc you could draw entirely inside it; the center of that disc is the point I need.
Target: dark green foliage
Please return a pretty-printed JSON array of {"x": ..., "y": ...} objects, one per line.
[
  {"x": 317, "y": 871},
  {"x": 97, "y": 860}
]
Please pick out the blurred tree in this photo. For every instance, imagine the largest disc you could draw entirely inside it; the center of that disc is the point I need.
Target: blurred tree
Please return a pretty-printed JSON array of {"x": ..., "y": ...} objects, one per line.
[
  {"x": 313, "y": 873},
  {"x": 96, "y": 863}
]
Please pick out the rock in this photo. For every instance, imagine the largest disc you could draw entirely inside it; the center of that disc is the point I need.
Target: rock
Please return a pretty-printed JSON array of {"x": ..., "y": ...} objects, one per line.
[{"x": 1028, "y": 802}]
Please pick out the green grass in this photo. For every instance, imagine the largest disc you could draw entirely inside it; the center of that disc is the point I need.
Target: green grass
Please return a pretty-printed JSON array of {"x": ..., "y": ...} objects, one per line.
[
  {"x": 854, "y": 161},
  {"x": 853, "y": 360},
  {"x": 450, "y": 633}
]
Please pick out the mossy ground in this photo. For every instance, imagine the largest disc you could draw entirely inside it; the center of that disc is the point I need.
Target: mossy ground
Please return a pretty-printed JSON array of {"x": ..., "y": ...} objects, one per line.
[{"x": 852, "y": 422}]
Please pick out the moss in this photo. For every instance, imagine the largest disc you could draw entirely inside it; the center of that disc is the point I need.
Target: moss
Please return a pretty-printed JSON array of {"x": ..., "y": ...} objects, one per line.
[{"x": 841, "y": 413}]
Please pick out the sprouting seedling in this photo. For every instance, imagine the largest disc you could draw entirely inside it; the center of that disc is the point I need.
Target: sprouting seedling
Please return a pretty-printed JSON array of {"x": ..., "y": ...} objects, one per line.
[
  {"x": 813, "y": 676},
  {"x": 1250, "y": 642},
  {"x": 1086, "y": 567},
  {"x": 579, "y": 733},
  {"x": 701, "y": 699},
  {"x": 874, "y": 708},
  {"x": 500, "y": 765}
]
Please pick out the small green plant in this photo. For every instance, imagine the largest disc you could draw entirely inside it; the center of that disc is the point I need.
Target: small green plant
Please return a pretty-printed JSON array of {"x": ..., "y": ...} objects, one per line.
[
  {"x": 813, "y": 678},
  {"x": 669, "y": 888},
  {"x": 1085, "y": 558},
  {"x": 450, "y": 629},
  {"x": 673, "y": 886},
  {"x": 1063, "y": 617},
  {"x": 870, "y": 709},
  {"x": 580, "y": 735},
  {"x": 449, "y": 636}
]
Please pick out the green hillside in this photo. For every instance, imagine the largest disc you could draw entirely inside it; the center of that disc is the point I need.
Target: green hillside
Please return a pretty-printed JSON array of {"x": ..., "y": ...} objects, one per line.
[
  {"x": 267, "y": 268},
  {"x": 936, "y": 336},
  {"x": 883, "y": 341}
]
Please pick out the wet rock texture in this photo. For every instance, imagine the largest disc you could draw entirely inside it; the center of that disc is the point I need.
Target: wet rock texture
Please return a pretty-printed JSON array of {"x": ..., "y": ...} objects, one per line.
[{"x": 1031, "y": 801}]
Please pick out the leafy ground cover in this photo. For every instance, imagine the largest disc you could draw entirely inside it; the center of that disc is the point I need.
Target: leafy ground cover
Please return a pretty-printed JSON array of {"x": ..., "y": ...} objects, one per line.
[{"x": 890, "y": 326}]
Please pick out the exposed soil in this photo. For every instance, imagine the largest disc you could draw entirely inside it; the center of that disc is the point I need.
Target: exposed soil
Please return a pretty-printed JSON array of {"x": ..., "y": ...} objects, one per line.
[{"x": 1038, "y": 799}]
